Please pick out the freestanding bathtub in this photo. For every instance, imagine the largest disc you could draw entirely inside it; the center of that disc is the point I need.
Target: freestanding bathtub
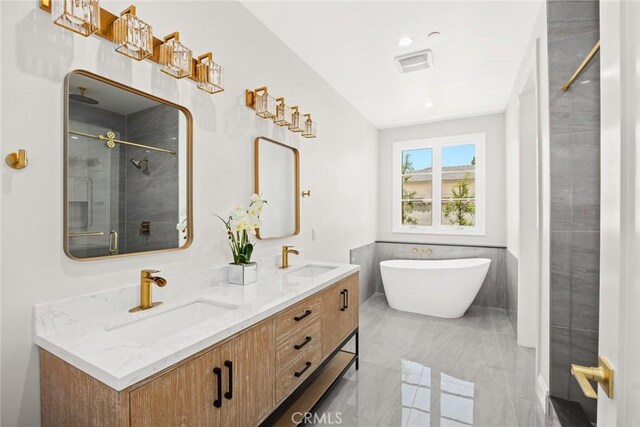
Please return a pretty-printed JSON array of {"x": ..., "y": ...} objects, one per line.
[{"x": 442, "y": 288}]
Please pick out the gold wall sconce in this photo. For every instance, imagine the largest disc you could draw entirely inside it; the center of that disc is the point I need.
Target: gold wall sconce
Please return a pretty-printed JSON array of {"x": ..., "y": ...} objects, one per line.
[
  {"x": 209, "y": 74},
  {"x": 175, "y": 58},
  {"x": 132, "y": 36},
  {"x": 310, "y": 129},
  {"x": 260, "y": 100},
  {"x": 268, "y": 107},
  {"x": 17, "y": 160},
  {"x": 295, "y": 120},
  {"x": 284, "y": 113},
  {"x": 80, "y": 16}
]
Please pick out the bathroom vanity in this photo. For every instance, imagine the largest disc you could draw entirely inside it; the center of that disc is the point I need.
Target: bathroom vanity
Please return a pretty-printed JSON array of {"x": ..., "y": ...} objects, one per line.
[{"x": 222, "y": 356}]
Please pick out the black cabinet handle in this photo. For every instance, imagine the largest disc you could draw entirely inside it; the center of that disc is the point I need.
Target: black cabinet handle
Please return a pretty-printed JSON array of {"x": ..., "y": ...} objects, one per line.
[
  {"x": 305, "y": 342},
  {"x": 302, "y": 316},
  {"x": 218, "y": 402},
  {"x": 299, "y": 374},
  {"x": 229, "y": 393},
  {"x": 343, "y": 306},
  {"x": 346, "y": 298}
]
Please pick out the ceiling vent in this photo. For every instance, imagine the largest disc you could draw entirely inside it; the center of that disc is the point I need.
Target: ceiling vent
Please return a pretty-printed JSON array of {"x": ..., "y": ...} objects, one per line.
[{"x": 415, "y": 61}]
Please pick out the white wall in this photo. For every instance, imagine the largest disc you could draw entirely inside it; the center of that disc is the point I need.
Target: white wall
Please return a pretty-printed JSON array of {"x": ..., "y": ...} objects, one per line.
[
  {"x": 340, "y": 166},
  {"x": 493, "y": 126},
  {"x": 533, "y": 318}
]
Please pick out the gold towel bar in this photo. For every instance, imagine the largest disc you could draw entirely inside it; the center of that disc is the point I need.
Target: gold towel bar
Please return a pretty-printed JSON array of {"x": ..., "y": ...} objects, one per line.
[
  {"x": 111, "y": 141},
  {"x": 87, "y": 234},
  {"x": 582, "y": 66}
]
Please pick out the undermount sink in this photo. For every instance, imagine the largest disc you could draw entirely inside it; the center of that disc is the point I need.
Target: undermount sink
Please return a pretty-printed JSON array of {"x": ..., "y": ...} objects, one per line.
[
  {"x": 157, "y": 326},
  {"x": 311, "y": 271}
]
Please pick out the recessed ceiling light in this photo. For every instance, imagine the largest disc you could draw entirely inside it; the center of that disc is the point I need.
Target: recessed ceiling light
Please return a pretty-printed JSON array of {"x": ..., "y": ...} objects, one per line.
[
  {"x": 428, "y": 104},
  {"x": 405, "y": 41},
  {"x": 433, "y": 34}
]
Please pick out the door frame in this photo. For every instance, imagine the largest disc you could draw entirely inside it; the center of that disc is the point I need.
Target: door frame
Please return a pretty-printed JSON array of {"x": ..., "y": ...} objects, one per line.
[{"x": 620, "y": 205}]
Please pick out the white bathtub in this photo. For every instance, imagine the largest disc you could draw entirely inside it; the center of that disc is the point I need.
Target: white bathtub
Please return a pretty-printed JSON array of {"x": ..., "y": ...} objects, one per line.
[{"x": 442, "y": 288}]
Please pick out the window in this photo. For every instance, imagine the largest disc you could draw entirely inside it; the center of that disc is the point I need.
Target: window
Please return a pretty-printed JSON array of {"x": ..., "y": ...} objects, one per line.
[{"x": 438, "y": 185}]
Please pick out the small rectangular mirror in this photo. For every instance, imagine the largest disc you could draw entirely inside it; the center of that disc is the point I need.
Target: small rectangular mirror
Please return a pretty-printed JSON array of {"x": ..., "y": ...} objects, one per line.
[
  {"x": 277, "y": 180},
  {"x": 127, "y": 186}
]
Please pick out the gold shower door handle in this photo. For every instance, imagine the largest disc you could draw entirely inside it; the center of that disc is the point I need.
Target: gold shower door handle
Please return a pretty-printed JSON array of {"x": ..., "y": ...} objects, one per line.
[
  {"x": 603, "y": 374},
  {"x": 113, "y": 242}
]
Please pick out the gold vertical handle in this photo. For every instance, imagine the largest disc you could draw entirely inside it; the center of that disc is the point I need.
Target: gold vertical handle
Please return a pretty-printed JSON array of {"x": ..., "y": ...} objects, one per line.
[
  {"x": 113, "y": 242},
  {"x": 603, "y": 374}
]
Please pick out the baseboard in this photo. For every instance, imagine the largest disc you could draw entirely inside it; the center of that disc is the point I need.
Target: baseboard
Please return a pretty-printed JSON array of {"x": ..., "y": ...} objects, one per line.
[{"x": 542, "y": 391}]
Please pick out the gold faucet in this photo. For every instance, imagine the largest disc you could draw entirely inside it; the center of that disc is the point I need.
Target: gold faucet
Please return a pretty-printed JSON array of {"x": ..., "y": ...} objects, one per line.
[
  {"x": 147, "y": 279},
  {"x": 286, "y": 250}
]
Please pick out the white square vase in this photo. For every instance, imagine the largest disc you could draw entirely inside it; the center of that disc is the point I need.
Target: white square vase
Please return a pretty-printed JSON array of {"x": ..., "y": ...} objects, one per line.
[{"x": 243, "y": 274}]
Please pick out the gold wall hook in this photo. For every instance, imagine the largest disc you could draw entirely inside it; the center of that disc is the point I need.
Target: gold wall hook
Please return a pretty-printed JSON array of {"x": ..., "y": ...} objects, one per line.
[
  {"x": 603, "y": 374},
  {"x": 17, "y": 160},
  {"x": 306, "y": 193}
]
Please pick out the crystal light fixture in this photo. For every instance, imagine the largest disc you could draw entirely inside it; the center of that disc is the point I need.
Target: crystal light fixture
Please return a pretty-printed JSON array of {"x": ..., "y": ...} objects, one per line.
[
  {"x": 265, "y": 104},
  {"x": 310, "y": 127},
  {"x": 133, "y": 37},
  {"x": 295, "y": 120},
  {"x": 175, "y": 59},
  {"x": 284, "y": 113},
  {"x": 209, "y": 74},
  {"x": 79, "y": 16}
]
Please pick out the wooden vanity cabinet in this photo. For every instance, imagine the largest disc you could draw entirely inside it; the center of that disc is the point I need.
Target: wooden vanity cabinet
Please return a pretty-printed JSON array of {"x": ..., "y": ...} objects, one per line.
[
  {"x": 252, "y": 356},
  {"x": 182, "y": 397},
  {"x": 340, "y": 312},
  {"x": 237, "y": 383},
  {"x": 190, "y": 395}
]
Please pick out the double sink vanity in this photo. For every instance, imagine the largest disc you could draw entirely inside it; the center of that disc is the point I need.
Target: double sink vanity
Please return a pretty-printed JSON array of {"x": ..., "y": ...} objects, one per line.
[
  {"x": 196, "y": 350},
  {"x": 219, "y": 355}
]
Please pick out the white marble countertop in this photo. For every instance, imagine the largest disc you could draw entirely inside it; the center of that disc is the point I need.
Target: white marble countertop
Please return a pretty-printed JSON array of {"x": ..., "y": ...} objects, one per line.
[{"x": 84, "y": 331}]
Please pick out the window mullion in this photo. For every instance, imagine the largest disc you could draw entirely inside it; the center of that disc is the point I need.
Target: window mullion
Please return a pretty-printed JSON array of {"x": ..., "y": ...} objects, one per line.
[{"x": 437, "y": 187}]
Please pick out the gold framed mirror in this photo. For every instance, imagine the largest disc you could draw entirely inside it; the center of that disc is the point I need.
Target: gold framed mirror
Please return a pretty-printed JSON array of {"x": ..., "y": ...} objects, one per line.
[
  {"x": 127, "y": 170},
  {"x": 277, "y": 180}
]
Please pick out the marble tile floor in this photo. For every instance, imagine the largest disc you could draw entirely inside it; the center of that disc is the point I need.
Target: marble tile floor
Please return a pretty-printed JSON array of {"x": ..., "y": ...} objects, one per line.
[{"x": 424, "y": 371}]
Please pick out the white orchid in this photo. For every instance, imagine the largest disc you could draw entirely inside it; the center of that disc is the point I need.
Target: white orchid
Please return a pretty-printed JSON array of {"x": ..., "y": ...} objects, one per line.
[
  {"x": 240, "y": 224},
  {"x": 238, "y": 211},
  {"x": 254, "y": 211}
]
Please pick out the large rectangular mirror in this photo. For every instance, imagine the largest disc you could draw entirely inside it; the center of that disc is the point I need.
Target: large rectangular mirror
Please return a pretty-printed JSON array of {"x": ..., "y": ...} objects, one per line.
[
  {"x": 277, "y": 180},
  {"x": 127, "y": 170}
]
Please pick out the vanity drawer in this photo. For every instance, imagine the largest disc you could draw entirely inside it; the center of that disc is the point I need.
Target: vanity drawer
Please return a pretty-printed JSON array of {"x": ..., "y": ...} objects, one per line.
[
  {"x": 297, "y": 317},
  {"x": 293, "y": 375},
  {"x": 293, "y": 347}
]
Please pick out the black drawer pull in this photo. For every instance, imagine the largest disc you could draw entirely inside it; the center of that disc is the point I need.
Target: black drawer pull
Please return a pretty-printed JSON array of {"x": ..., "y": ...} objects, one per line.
[
  {"x": 343, "y": 305},
  {"x": 299, "y": 374},
  {"x": 346, "y": 298},
  {"x": 302, "y": 316},
  {"x": 305, "y": 342},
  {"x": 229, "y": 393},
  {"x": 218, "y": 402}
]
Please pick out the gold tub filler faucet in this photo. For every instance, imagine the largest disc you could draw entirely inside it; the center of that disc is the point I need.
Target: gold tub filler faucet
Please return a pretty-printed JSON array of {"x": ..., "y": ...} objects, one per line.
[{"x": 147, "y": 280}]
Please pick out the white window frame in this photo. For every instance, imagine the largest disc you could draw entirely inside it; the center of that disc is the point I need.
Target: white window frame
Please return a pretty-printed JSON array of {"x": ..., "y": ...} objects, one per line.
[{"x": 437, "y": 144}]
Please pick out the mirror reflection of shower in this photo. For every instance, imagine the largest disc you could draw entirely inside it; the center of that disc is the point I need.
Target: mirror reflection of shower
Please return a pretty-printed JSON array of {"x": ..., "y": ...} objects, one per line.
[
  {"x": 123, "y": 167},
  {"x": 138, "y": 165},
  {"x": 81, "y": 97}
]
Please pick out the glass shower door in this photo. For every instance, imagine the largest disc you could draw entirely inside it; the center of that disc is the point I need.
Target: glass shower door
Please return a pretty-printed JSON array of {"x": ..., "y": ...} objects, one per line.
[{"x": 93, "y": 195}]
